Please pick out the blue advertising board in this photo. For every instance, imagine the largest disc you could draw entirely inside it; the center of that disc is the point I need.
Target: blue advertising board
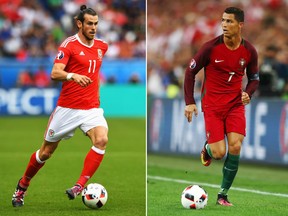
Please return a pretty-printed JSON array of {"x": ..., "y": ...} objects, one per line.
[{"x": 266, "y": 138}]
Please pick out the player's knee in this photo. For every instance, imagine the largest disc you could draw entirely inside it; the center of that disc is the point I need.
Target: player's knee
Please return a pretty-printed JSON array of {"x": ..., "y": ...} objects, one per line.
[
  {"x": 234, "y": 145},
  {"x": 219, "y": 155},
  {"x": 101, "y": 141},
  {"x": 44, "y": 155},
  {"x": 235, "y": 149}
]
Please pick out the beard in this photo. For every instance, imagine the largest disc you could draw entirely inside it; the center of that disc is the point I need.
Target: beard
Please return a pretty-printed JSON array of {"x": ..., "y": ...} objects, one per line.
[{"x": 87, "y": 37}]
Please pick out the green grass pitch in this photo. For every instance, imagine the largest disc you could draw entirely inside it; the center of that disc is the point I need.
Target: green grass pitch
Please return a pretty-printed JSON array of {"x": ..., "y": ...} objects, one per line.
[
  {"x": 257, "y": 190},
  {"x": 122, "y": 172}
]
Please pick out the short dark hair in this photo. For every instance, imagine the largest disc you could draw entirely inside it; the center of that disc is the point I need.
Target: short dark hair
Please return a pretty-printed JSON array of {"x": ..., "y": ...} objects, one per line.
[
  {"x": 84, "y": 10},
  {"x": 238, "y": 13}
]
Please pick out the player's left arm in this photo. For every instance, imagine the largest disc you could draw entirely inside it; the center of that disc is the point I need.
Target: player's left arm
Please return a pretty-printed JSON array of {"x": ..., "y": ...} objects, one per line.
[{"x": 252, "y": 72}]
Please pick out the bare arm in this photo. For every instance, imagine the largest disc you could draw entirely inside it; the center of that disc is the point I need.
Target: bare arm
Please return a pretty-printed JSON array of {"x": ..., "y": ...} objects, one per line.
[{"x": 58, "y": 73}]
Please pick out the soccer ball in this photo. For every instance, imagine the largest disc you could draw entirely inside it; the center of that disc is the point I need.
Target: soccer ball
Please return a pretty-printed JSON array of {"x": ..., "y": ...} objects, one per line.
[
  {"x": 94, "y": 196},
  {"x": 194, "y": 197}
]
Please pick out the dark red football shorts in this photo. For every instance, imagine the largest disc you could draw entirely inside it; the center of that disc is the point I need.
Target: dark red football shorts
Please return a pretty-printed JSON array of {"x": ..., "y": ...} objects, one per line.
[{"x": 225, "y": 120}]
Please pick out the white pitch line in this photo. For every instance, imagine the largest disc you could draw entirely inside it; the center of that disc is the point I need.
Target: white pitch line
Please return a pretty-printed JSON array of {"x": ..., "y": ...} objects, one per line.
[{"x": 160, "y": 178}]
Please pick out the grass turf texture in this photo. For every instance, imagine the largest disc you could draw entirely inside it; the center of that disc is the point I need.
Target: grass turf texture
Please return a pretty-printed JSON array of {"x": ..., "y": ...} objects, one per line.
[
  {"x": 122, "y": 171},
  {"x": 164, "y": 197}
]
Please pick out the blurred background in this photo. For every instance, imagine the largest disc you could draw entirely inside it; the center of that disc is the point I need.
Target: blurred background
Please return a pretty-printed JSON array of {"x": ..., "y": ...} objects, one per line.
[
  {"x": 32, "y": 30},
  {"x": 175, "y": 32},
  {"x": 30, "y": 33}
]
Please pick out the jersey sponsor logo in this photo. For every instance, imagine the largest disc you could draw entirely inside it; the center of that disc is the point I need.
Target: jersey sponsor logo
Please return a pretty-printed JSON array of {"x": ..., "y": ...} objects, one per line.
[
  {"x": 82, "y": 53},
  {"x": 100, "y": 55},
  {"x": 218, "y": 61},
  {"x": 60, "y": 55},
  {"x": 192, "y": 64}
]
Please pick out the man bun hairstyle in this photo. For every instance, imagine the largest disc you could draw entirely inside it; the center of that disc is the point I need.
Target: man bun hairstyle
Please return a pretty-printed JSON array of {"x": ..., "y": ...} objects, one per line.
[
  {"x": 84, "y": 10},
  {"x": 238, "y": 13}
]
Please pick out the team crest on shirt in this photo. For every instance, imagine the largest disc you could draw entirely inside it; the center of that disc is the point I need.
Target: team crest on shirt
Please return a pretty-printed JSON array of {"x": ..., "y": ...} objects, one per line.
[
  {"x": 192, "y": 64},
  {"x": 100, "y": 55},
  {"x": 242, "y": 63},
  {"x": 60, "y": 55},
  {"x": 51, "y": 133}
]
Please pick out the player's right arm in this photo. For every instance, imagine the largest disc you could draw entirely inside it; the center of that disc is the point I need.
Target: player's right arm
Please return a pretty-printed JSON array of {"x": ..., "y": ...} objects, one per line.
[
  {"x": 58, "y": 73},
  {"x": 200, "y": 60},
  {"x": 189, "y": 82}
]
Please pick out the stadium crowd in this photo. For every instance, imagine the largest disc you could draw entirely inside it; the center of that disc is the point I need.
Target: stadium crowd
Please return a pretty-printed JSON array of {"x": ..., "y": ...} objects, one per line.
[
  {"x": 35, "y": 28},
  {"x": 176, "y": 33}
]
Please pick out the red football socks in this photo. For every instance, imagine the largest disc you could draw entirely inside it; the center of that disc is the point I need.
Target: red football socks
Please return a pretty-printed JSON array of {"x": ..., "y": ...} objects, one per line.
[
  {"x": 33, "y": 167},
  {"x": 91, "y": 163}
]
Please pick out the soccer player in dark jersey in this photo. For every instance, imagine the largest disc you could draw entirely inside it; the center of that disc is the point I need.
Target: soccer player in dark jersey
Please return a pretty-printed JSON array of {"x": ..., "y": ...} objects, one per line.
[{"x": 225, "y": 60}]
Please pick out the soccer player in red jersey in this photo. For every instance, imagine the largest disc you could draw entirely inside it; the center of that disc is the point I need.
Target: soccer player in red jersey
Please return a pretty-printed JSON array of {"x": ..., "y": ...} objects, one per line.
[
  {"x": 77, "y": 66},
  {"x": 225, "y": 60}
]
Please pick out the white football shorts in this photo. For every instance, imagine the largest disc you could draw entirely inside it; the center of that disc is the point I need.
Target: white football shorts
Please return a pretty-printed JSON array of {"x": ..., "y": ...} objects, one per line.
[{"x": 64, "y": 121}]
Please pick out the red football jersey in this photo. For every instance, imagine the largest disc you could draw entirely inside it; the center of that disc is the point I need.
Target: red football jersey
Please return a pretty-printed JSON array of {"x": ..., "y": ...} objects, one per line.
[
  {"x": 223, "y": 73},
  {"x": 85, "y": 60}
]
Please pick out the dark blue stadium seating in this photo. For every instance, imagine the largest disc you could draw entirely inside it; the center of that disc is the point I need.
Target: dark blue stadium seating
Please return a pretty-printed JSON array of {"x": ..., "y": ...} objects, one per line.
[{"x": 120, "y": 69}]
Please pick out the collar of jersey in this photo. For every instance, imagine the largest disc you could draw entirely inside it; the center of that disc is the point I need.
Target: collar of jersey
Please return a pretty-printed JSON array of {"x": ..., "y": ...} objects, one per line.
[{"x": 78, "y": 38}]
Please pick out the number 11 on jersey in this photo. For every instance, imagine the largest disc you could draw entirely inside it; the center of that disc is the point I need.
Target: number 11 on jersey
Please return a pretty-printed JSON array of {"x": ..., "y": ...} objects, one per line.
[{"x": 92, "y": 65}]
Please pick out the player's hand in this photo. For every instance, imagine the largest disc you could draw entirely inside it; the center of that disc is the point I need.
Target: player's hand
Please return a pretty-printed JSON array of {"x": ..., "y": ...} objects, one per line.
[
  {"x": 189, "y": 110},
  {"x": 245, "y": 98},
  {"x": 82, "y": 80}
]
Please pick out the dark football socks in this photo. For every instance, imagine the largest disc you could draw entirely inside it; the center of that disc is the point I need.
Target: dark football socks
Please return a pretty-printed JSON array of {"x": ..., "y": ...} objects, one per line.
[
  {"x": 208, "y": 150},
  {"x": 230, "y": 169}
]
